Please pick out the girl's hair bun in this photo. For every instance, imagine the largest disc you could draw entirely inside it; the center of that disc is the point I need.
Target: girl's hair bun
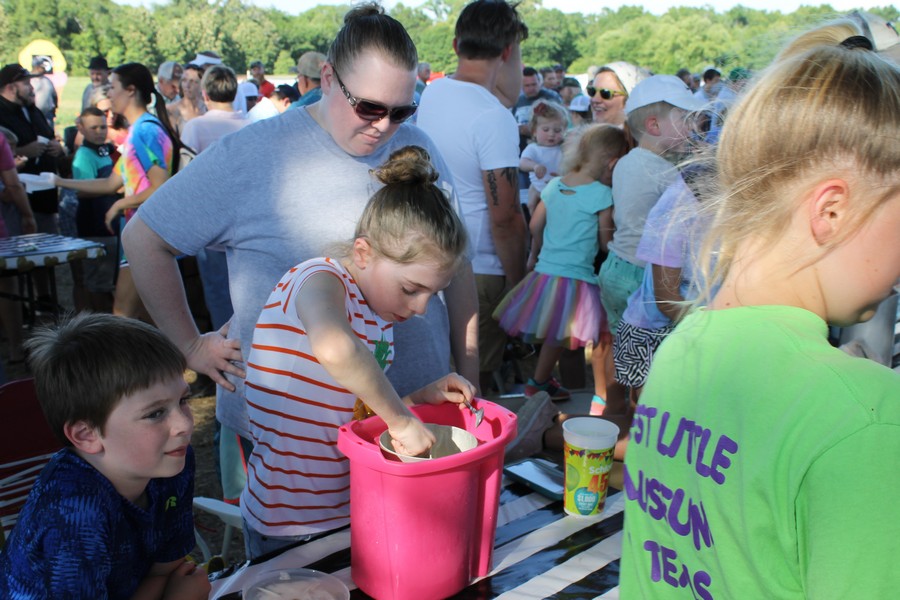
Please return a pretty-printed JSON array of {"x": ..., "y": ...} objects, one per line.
[
  {"x": 366, "y": 9},
  {"x": 410, "y": 165}
]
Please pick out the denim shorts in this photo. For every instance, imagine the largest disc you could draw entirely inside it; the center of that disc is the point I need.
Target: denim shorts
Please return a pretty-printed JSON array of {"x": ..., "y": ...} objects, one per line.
[
  {"x": 257, "y": 544},
  {"x": 618, "y": 279}
]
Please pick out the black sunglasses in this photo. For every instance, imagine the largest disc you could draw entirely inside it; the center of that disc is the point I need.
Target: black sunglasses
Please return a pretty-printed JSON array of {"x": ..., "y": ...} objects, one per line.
[
  {"x": 373, "y": 111},
  {"x": 604, "y": 93}
]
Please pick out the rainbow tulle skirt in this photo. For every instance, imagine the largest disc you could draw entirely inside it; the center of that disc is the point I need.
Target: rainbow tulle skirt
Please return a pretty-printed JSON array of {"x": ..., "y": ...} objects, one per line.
[{"x": 545, "y": 308}]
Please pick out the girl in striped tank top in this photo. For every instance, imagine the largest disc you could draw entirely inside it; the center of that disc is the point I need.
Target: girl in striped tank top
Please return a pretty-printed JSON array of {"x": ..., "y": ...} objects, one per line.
[{"x": 323, "y": 342}]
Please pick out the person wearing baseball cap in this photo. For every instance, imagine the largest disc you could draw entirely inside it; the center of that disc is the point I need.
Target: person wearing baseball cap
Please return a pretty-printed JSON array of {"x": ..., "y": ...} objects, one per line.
[
  {"x": 45, "y": 97},
  {"x": 206, "y": 58},
  {"x": 658, "y": 115},
  {"x": 280, "y": 100},
  {"x": 13, "y": 73},
  {"x": 580, "y": 111},
  {"x": 99, "y": 71},
  {"x": 37, "y": 142},
  {"x": 309, "y": 73},
  {"x": 258, "y": 75}
]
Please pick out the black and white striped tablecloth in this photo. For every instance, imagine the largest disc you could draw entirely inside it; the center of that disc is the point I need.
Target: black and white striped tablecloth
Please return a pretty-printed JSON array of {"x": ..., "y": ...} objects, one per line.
[{"x": 539, "y": 552}]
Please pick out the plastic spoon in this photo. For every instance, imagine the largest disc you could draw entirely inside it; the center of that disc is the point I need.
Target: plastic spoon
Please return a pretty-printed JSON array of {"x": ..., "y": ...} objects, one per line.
[{"x": 479, "y": 413}]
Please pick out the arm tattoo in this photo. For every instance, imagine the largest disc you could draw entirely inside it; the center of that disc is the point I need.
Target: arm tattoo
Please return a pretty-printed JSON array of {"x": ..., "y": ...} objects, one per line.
[
  {"x": 510, "y": 174},
  {"x": 492, "y": 185}
]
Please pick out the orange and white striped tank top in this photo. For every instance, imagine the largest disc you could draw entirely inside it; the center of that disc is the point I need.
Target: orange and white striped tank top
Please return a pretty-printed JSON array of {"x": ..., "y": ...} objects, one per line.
[{"x": 298, "y": 482}]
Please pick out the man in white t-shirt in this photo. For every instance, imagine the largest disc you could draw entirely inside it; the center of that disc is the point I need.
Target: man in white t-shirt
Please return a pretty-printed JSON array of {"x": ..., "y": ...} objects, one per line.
[{"x": 479, "y": 140}]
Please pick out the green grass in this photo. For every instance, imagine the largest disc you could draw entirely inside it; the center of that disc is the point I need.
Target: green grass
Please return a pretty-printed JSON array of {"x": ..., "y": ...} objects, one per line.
[{"x": 70, "y": 102}]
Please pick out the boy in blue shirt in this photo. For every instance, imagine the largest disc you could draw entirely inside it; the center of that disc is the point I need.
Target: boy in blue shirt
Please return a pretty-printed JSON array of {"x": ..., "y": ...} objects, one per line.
[
  {"x": 94, "y": 160},
  {"x": 110, "y": 515}
]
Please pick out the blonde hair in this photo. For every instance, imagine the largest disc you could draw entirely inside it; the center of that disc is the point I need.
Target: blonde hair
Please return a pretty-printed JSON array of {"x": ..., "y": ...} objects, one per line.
[
  {"x": 410, "y": 218},
  {"x": 583, "y": 144},
  {"x": 552, "y": 111},
  {"x": 819, "y": 108}
]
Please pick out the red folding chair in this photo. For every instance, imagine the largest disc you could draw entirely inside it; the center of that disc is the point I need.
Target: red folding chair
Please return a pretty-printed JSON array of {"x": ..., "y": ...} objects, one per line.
[{"x": 25, "y": 447}]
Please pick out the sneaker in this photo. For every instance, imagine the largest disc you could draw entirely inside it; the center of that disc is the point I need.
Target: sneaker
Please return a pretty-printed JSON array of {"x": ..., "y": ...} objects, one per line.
[
  {"x": 598, "y": 406},
  {"x": 551, "y": 386},
  {"x": 534, "y": 419}
]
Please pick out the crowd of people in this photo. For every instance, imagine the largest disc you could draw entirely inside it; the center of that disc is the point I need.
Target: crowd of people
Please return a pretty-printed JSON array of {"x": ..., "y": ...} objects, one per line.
[{"x": 372, "y": 238}]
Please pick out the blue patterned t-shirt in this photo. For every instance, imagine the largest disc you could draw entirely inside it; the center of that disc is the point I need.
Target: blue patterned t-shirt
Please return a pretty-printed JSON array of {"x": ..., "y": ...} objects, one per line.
[{"x": 77, "y": 537}]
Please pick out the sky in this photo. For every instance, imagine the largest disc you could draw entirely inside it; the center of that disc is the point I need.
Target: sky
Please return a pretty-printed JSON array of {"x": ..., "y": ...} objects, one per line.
[{"x": 655, "y": 6}]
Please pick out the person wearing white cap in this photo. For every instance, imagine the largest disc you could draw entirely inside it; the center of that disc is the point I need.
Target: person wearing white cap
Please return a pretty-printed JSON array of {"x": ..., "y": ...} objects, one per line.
[
  {"x": 580, "y": 111},
  {"x": 45, "y": 97},
  {"x": 658, "y": 110},
  {"x": 610, "y": 88},
  {"x": 206, "y": 58}
]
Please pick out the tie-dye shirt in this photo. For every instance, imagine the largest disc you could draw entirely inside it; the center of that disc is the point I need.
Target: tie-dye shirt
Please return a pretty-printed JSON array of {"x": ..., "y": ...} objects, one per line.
[{"x": 147, "y": 144}]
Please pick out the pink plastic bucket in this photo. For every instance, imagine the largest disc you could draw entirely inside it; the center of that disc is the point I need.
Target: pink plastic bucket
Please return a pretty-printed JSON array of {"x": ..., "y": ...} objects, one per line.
[{"x": 424, "y": 530}]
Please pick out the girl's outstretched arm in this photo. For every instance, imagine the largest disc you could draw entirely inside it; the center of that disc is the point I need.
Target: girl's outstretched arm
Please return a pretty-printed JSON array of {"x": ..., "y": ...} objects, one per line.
[
  {"x": 99, "y": 187},
  {"x": 320, "y": 306}
]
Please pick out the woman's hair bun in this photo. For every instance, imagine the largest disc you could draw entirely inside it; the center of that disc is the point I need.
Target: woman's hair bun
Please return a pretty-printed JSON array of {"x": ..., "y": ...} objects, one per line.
[
  {"x": 366, "y": 9},
  {"x": 409, "y": 165}
]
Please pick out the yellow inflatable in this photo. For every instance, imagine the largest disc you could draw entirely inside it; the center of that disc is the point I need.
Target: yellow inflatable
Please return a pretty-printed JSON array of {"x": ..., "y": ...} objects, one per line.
[{"x": 43, "y": 48}]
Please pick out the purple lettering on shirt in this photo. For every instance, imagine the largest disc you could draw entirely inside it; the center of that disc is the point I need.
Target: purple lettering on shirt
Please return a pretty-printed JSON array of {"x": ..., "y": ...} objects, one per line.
[
  {"x": 661, "y": 446},
  {"x": 665, "y": 564},
  {"x": 702, "y": 581},
  {"x": 653, "y": 548},
  {"x": 695, "y": 521},
  {"x": 632, "y": 492},
  {"x": 641, "y": 426},
  {"x": 667, "y": 557},
  {"x": 697, "y": 433},
  {"x": 695, "y": 439},
  {"x": 720, "y": 462},
  {"x": 656, "y": 504}
]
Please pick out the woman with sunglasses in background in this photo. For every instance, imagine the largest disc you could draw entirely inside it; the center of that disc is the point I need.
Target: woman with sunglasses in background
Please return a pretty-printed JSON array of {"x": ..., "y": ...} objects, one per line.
[
  {"x": 286, "y": 189},
  {"x": 610, "y": 89}
]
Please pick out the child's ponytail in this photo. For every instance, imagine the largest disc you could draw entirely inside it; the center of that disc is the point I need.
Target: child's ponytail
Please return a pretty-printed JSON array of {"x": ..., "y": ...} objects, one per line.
[
  {"x": 162, "y": 113},
  {"x": 410, "y": 165},
  {"x": 822, "y": 107}
]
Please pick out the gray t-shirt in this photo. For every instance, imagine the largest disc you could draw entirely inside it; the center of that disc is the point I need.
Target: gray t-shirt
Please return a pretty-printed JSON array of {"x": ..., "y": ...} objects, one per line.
[
  {"x": 274, "y": 194},
  {"x": 639, "y": 179}
]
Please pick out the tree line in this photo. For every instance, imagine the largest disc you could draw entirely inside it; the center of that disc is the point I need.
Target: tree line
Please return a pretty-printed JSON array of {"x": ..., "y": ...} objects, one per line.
[{"x": 241, "y": 33}]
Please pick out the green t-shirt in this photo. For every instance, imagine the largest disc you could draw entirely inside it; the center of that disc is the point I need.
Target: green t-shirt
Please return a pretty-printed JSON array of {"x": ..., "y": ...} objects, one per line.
[{"x": 763, "y": 463}]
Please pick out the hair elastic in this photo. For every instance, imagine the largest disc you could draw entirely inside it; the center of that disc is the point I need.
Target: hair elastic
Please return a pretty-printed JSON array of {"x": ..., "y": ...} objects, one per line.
[{"x": 858, "y": 41}]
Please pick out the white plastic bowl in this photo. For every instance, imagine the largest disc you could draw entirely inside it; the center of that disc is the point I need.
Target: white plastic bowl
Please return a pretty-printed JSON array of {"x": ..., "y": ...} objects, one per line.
[
  {"x": 296, "y": 584},
  {"x": 449, "y": 440}
]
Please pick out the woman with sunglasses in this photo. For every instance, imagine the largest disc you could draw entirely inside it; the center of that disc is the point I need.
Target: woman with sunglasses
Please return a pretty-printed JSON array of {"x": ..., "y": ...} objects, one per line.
[
  {"x": 309, "y": 169},
  {"x": 610, "y": 89}
]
